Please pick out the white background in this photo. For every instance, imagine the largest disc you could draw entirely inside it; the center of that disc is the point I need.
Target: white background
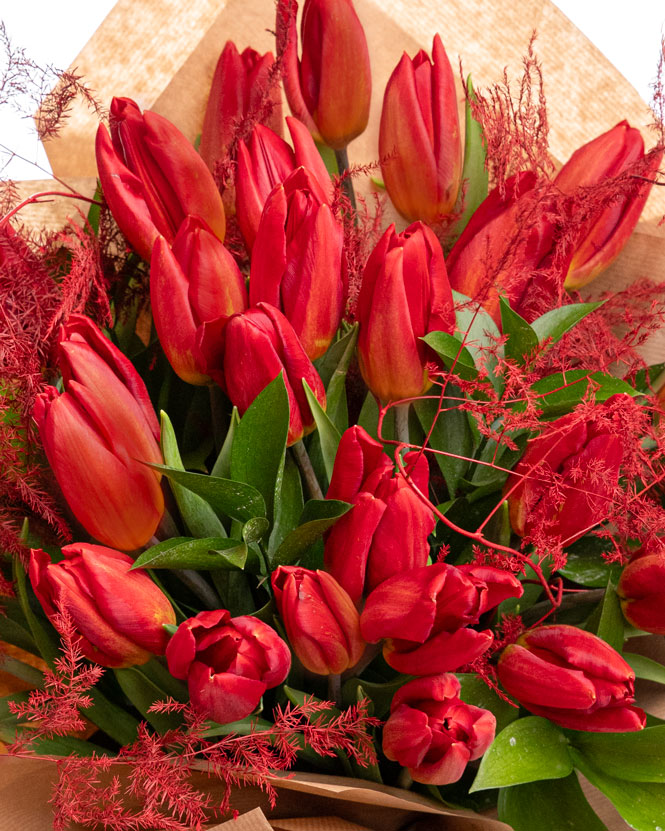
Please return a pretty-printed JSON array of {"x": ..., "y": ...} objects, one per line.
[{"x": 54, "y": 32}]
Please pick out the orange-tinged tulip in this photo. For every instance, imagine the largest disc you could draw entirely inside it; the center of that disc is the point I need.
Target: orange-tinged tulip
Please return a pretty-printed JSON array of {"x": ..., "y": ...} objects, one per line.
[
  {"x": 152, "y": 177},
  {"x": 420, "y": 145},
  {"x": 641, "y": 589}
]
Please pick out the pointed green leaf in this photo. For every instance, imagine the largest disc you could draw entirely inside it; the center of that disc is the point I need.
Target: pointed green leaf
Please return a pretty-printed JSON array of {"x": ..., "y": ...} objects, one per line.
[
  {"x": 555, "y": 323},
  {"x": 561, "y": 392},
  {"x": 43, "y": 633},
  {"x": 645, "y": 668},
  {"x": 259, "y": 444},
  {"x": 115, "y": 721},
  {"x": 480, "y": 336},
  {"x": 585, "y": 564},
  {"x": 529, "y": 749},
  {"x": 222, "y": 466},
  {"x": 18, "y": 669},
  {"x": 255, "y": 529},
  {"x": 552, "y": 805},
  {"x": 288, "y": 507},
  {"x": 381, "y": 695},
  {"x": 143, "y": 693},
  {"x": 636, "y": 757},
  {"x": 475, "y": 691},
  {"x": 197, "y": 514},
  {"x": 336, "y": 407},
  {"x": 202, "y": 554},
  {"x": 522, "y": 339},
  {"x": 12, "y": 632},
  {"x": 317, "y": 517},
  {"x": 451, "y": 433},
  {"x": 611, "y": 623},
  {"x": 329, "y": 435},
  {"x": 455, "y": 356}
]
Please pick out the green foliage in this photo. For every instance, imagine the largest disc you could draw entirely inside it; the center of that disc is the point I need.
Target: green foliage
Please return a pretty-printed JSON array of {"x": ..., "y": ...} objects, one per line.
[
  {"x": 551, "y": 805},
  {"x": 209, "y": 553},
  {"x": 318, "y": 516}
]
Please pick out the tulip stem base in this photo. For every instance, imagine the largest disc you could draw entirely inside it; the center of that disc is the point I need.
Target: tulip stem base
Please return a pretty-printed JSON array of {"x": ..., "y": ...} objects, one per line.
[
  {"x": 402, "y": 422},
  {"x": 404, "y": 780},
  {"x": 335, "y": 689},
  {"x": 198, "y": 585},
  {"x": 305, "y": 466},
  {"x": 342, "y": 159}
]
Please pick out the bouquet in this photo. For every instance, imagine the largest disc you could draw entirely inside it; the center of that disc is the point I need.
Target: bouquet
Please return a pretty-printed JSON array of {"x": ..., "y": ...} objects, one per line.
[{"x": 290, "y": 485}]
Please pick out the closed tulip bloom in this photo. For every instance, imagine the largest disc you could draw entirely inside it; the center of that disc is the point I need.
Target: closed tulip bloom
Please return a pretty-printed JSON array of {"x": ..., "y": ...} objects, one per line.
[
  {"x": 433, "y": 733},
  {"x": 386, "y": 531},
  {"x": 600, "y": 239},
  {"x": 266, "y": 161},
  {"x": 420, "y": 146},
  {"x": 573, "y": 678},
  {"x": 152, "y": 177},
  {"x": 584, "y": 458},
  {"x": 330, "y": 87},
  {"x": 424, "y": 616},
  {"x": 118, "y": 614},
  {"x": 241, "y": 86},
  {"x": 404, "y": 295},
  {"x": 97, "y": 434},
  {"x": 641, "y": 589},
  {"x": 196, "y": 281},
  {"x": 228, "y": 662},
  {"x": 322, "y": 624},
  {"x": 258, "y": 345},
  {"x": 508, "y": 246},
  {"x": 297, "y": 261}
]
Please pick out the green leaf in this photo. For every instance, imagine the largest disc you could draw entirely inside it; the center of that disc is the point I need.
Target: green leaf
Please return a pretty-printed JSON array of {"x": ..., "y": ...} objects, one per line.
[
  {"x": 115, "y": 721},
  {"x": 475, "y": 691},
  {"x": 641, "y": 804},
  {"x": 451, "y": 433},
  {"x": 245, "y": 727},
  {"x": 197, "y": 514},
  {"x": 454, "y": 355},
  {"x": 611, "y": 624},
  {"x": 522, "y": 339},
  {"x": 329, "y": 435},
  {"x": 645, "y": 668},
  {"x": 552, "y": 805},
  {"x": 44, "y": 635},
  {"x": 255, "y": 529},
  {"x": 645, "y": 378},
  {"x": 332, "y": 369},
  {"x": 381, "y": 695},
  {"x": 480, "y": 335},
  {"x": 585, "y": 564},
  {"x": 560, "y": 393},
  {"x": 259, "y": 445},
  {"x": 12, "y": 632},
  {"x": 184, "y": 552},
  {"x": 318, "y": 515},
  {"x": 369, "y": 419},
  {"x": 529, "y": 749},
  {"x": 237, "y": 500},
  {"x": 635, "y": 757},
  {"x": 288, "y": 507},
  {"x": 143, "y": 693},
  {"x": 555, "y": 323},
  {"x": 222, "y": 466},
  {"x": 18, "y": 669}
]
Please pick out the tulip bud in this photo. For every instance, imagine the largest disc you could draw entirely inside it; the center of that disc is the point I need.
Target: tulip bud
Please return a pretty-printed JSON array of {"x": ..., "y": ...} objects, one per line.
[
  {"x": 584, "y": 459},
  {"x": 419, "y": 138},
  {"x": 571, "y": 677},
  {"x": 118, "y": 614},
  {"x": 433, "y": 733},
  {"x": 329, "y": 88},
  {"x": 600, "y": 239},
  {"x": 386, "y": 531},
  {"x": 266, "y": 161},
  {"x": 197, "y": 281},
  {"x": 320, "y": 619},
  {"x": 425, "y": 615},
  {"x": 297, "y": 261},
  {"x": 241, "y": 86},
  {"x": 96, "y": 435},
  {"x": 508, "y": 248},
  {"x": 404, "y": 295},
  {"x": 641, "y": 589},
  {"x": 228, "y": 662},
  {"x": 152, "y": 177},
  {"x": 258, "y": 345}
]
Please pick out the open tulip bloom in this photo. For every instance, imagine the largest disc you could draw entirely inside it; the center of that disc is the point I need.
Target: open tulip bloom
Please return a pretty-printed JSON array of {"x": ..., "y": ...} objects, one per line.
[{"x": 317, "y": 483}]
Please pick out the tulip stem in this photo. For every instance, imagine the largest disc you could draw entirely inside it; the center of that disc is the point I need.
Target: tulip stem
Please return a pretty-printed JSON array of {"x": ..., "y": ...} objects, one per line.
[
  {"x": 305, "y": 465},
  {"x": 402, "y": 422},
  {"x": 335, "y": 689},
  {"x": 404, "y": 780},
  {"x": 200, "y": 587},
  {"x": 342, "y": 159}
]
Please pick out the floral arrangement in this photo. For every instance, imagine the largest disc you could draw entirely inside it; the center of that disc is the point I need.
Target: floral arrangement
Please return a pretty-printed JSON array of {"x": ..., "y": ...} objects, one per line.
[{"x": 290, "y": 485}]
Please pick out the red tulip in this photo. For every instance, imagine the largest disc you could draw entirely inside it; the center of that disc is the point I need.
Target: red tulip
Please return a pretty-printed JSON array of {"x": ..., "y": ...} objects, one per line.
[
  {"x": 96, "y": 435},
  {"x": 434, "y": 734},
  {"x": 573, "y": 678},
  {"x": 118, "y": 614},
  {"x": 266, "y": 161},
  {"x": 405, "y": 294},
  {"x": 584, "y": 458},
  {"x": 420, "y": 146},
  {"x": 197, "y": 281},
  {"x": 241, "y": 86},
  {"x": 386, "y": 531},
  {"x": 509, "y": 247},
  {"x": 322, "y": 624},
  {"x": 641, "y": 589},
  {"x": 258, "y": 345},
  {"x": 228, "y": 662},
  {"x": 329, "y": 88},
  {"x": 600, "y": 239},
  {"x": 297, "y": 261},
  {"x": 152, "y": 177},
  {"x": 425, "y": 614}
]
